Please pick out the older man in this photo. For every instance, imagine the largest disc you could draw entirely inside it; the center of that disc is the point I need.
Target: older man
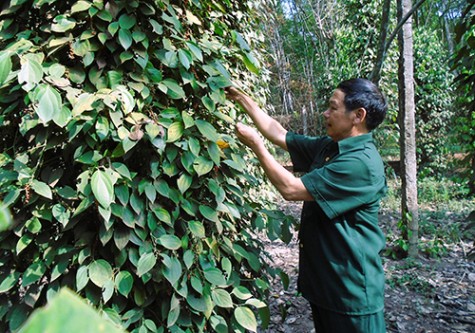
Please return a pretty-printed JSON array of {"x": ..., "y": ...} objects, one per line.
[{"x": 340, "y": 270}]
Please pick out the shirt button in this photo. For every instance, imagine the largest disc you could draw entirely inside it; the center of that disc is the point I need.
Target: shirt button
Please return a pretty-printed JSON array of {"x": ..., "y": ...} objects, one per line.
[
  {"x": 327, "y": 159},
  {"x": 301, "y": 245}
]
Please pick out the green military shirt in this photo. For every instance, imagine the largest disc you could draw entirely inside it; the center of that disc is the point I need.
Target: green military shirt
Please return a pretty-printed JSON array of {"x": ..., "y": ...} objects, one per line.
[{"x": 339, "y": 264}]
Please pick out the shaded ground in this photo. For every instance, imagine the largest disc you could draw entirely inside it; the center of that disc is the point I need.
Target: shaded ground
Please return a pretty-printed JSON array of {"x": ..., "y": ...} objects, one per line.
[{"x": 423, "y": 296}]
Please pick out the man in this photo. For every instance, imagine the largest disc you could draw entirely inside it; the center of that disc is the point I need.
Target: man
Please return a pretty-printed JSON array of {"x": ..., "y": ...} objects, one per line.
[{"x": 340, "y": 271}]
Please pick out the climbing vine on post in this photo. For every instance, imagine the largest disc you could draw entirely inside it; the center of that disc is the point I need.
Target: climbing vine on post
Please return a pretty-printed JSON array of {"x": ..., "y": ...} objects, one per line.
[{"x": 120, "y": 168}]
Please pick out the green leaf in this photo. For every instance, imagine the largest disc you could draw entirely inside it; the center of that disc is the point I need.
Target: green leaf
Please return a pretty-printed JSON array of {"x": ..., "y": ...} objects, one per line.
[
  {"x": 42, "y": 189},
  {"x": 126, "y": 21},
  {"x": 175, "y": 131},
  {"x": 146, "y": 262},
  {"x": 124, "y": 282},
  {"x": 80, "y": 6},
  {"x": 5, "y": 66},
  {"x": 62, "y": 24},
  {"x": 31, "y": 73},
  {"x": 66, "y": 312},
  {"x": 257, "y": 303},
  {"x": 246, "y": 318},
  {"x": 198, "y": 304},
  {"x": 62, "y": 117},
  {"x": 49, "y": 103},
  {"x": 196, "y": 284},
  {"x": 222, "y": 298},
  {"x": 105, "y": 15},
  {"x": 113, "y": 28},
  {"x": 17, "y": 316},
  {"x": 174, "y": 90},
  {"x": 219, "y": 324},
  {"x": 208, "y": 103},
  {"x": 197, "y": 228},
  {"x": 188, "y": 258},
  {"x": 214, "y": 152},
  {"x": 184, "y": 182},
  {"x": 102, "y": 188},
  {"x": 59, "y": 269},
  {"x": 82, "y": 277},
  {"x": 5, "y": 218},
  {"x": 195, "y": 50},
  {"x": 172, "y": 270},
  {"x": 207, "y": 130},
  {"x": 100, "y": 271},
  {"x": 187, "y": 119},
  {"x": 150, "y": 192},
  {"x": 251, "y": 63},
  {"x": 174, "y": 312},
  {"x": 33, "y": 225},
  {"x": 185, "y": 58},
  {"x": 163, "y": 215},
  {"x": 240, "y": 41},
  {"x": 155, "y": 75},
  {"x": 242, "y": 293},
  {"x": 125, "y": 56},
  {"x": 156, "y": 27},
  {"x": 202, "y": 165},
  {"x": 215, "y": 276},
  {"x": 9, "y": 281},
  {"x": 56, "y": 70},
  {"x": 209, "y": 213},
  {"x": 121, "y": 238},
  {"x": 218, "y": 82},
  {"x": 33, "y": 273},
  {"x": 108, "y": 291},
  {"x": 170, "y": 242},
  {"x": 125, "y": 38},
  {"x": 23, "y": 242},
  {"x": 61, "y": 214}
]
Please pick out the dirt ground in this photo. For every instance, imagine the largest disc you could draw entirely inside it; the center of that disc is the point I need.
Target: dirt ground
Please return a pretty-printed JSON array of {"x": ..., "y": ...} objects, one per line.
[{"x": 422, "y": 296}]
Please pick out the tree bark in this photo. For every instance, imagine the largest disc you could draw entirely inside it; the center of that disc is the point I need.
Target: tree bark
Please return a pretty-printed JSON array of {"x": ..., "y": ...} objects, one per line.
[
  {"x": 409, "y": 205},
  {"x": 376, "y": 73},
  {"x": 385, "y": 43}
]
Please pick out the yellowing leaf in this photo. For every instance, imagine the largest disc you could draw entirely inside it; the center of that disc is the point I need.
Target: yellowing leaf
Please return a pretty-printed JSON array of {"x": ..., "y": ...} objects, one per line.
[
  {"x": 245, "y": 317},
  {"x": 192, "y": 18},
  {"x": 222, "y": 144},
  {"x": 175, "y": 131}
]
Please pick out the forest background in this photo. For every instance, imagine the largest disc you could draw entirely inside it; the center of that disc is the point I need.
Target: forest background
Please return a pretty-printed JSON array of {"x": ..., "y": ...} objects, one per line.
[{"x": 121, "y": 177}]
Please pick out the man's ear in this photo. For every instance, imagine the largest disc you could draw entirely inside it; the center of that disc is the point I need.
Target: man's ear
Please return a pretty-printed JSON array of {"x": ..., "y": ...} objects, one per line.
[{"x": 360, "y": 116}]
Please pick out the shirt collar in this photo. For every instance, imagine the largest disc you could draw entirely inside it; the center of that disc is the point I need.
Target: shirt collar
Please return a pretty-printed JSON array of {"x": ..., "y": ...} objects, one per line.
[{"x": 354, "y": 142}]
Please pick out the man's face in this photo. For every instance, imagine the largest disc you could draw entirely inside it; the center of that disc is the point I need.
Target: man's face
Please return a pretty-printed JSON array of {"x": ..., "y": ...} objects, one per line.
[{"x": 339, "y": 123}]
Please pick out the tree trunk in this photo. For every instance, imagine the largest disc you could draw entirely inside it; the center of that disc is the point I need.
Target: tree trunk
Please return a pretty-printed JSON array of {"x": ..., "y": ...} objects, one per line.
[
  {"x": 376, "y": 74},
  {"x": 282, "y": 67},
  {"x": 448, "y": 33},
  {"x": 410, "y": 214},
  {"x": 385, "y": 42}
]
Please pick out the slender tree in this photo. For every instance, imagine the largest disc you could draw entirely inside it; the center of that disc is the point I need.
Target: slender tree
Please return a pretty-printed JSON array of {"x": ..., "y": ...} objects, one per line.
[{"x": 409, "y": 205}]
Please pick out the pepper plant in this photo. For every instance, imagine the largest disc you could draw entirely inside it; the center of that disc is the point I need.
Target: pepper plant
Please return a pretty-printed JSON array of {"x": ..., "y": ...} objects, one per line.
[{"x": 119, "y": 165}]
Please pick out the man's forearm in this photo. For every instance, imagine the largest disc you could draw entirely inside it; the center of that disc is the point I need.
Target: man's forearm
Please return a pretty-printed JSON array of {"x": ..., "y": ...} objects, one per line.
[
  {"x": 268, "y": 126},
  {"x": 289, "y": 186}
]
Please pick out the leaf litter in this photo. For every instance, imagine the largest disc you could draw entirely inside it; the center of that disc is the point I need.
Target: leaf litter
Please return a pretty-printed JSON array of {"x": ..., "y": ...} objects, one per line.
[{"x": 427, "y": 295}]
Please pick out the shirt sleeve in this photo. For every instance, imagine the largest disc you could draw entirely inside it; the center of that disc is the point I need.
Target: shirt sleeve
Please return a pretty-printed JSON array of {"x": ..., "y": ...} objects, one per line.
[
  {"x": 302, "y": 150},
  {"x": 344, "y": 184}
]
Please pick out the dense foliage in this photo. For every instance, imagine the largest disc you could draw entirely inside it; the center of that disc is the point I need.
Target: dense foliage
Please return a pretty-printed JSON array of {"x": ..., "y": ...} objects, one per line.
[
  {"x": 435, "y": 97},
  {"x": 463, "y": 63},
  {"x": 316, "y": 44},
  {"x": 118, "y": 164}
]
